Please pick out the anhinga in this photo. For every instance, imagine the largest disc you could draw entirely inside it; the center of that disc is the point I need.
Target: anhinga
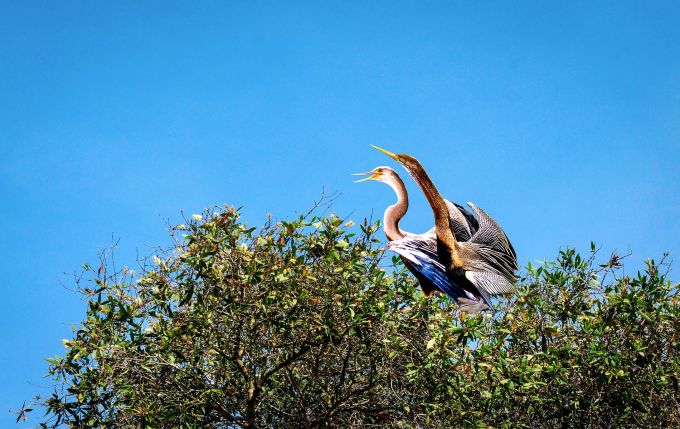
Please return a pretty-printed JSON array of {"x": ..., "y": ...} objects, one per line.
[
  {"x": 462, "y": 221},
  {"x": 482, "y": 266},
  {"x": 421, "y": 259}
]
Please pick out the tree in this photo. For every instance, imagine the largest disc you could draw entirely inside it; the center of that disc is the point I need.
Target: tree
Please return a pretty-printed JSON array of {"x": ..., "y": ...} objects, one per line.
[{"x": 300, "y": 324}]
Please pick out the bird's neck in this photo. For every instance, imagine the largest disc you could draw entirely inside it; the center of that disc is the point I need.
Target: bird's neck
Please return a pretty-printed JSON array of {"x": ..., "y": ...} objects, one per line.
[
  {"x": 395, "y": 212},
  {"x": 441, "y": 212}
]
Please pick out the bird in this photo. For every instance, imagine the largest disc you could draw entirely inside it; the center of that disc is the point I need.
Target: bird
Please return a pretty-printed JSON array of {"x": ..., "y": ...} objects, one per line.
[
  {"x": 482, "y": 266},
  {"x": 421, "y": 261},
  {"x": 462, "y": 221}
]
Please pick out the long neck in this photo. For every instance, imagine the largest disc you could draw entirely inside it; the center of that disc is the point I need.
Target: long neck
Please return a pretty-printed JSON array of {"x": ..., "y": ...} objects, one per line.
[
  {"x": 395, "y": 212},
  {"x": 440, "y": 210}
]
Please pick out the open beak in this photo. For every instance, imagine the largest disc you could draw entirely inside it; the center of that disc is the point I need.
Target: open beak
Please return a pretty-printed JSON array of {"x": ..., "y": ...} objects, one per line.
[
  {"x": 388, "y": 153},
  {"x": 373, "y": 176}
]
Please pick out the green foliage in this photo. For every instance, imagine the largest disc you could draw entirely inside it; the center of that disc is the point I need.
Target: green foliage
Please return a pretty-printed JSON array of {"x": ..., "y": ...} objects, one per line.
[{"x": 297, "y": 324}]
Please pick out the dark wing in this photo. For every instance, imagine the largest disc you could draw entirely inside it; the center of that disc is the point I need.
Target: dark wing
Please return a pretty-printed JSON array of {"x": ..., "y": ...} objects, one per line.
[
  {"x": 489, "y": 283},
  {"x": 494, "y": 271},
  {"x": 421, "y": 253},
  {"x": 472, "y": 223},
  {"x": 490, "y": 234},
  {"x": 463, "y": 224},
  {"x": 425, "y": 284}
]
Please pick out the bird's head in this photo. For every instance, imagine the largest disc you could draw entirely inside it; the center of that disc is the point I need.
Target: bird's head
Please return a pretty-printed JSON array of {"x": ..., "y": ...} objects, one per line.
[
  {"x": 407, "y": 161},
  {"x": 381, "y": 174}
]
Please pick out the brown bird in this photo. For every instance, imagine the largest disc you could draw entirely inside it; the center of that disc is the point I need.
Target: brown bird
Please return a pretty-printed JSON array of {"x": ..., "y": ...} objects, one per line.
[
  {"x": 462, "y": 221},
  {"x": 419, "y": 251},
  {"x": 482, "y": 266}
]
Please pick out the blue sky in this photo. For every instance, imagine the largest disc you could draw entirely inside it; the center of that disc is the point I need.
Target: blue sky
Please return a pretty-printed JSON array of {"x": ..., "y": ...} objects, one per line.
[{"x": 561, "y": 119}]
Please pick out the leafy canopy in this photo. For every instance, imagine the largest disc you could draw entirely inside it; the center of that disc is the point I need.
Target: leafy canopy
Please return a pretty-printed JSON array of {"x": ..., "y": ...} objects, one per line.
[{"x": 300, "y": 324}]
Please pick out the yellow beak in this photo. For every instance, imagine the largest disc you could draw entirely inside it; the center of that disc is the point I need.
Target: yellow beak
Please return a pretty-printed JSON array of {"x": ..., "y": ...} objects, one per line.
[
  {"x": 388, "y": 153},
  {"x": 374, "y": 176}
]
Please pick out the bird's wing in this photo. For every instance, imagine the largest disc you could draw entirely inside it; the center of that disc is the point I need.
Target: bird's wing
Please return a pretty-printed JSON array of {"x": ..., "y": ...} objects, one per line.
[
  {"x": 494, "y": 269},
  {"x": 469, "y": 218},
  {"x": 421, "y": 253},
  {"x": 426, "y": 284},
  {"x": 463, "y": 224},
  {"x": 489, "y": 282},
  {"x": 495, "y": 261},
  {"x": 490, "y": 234}
]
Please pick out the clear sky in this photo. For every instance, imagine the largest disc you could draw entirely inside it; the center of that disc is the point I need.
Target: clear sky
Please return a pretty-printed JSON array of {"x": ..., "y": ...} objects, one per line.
[{"x": 561, "y": 119}]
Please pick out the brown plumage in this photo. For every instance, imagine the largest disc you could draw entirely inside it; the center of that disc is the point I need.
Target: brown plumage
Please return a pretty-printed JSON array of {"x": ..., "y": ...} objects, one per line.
[
  {"x": 485, "y": 264},
  {"x": 463, "y": 222}
]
